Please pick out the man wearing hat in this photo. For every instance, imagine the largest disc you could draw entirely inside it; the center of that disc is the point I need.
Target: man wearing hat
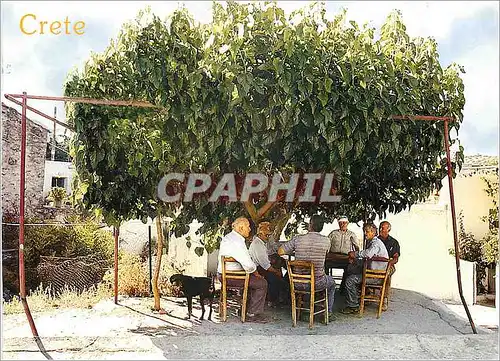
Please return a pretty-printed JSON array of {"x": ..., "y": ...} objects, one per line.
[{"x": 342, "y": 241}]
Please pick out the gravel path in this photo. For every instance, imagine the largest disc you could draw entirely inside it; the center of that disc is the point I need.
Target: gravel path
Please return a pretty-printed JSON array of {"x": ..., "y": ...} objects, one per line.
[{"x": 413, "y": 327}]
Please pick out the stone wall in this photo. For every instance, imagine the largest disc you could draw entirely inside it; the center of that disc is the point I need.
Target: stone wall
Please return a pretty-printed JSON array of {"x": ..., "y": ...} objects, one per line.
[{"x": 36, "y": 144}]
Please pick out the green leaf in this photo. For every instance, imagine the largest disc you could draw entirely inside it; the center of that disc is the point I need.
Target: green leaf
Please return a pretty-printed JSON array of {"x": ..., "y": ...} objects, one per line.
[
  {"x": 199, "y": 251},
  {"x": 328, "y": 84},
  {"x": 323, "y": 97}
]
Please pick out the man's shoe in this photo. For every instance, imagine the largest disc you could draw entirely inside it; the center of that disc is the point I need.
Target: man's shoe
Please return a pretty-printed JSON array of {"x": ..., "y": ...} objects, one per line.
[
  {"x": 304, "y": 317},
  {"x": 331, "y": 317},
  {"x": 350, "y": 310},
  {"x": 258, "y": 318}
]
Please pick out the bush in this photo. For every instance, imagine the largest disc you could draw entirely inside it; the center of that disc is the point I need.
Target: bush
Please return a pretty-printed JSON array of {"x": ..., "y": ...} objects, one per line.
[
  {"x": 490, "y": 248},
  {"x": 133, "y": 276},
  {"x": 484, "y": 252},
  {"x": 57, "y": 194},
  {"x": 53, "y": 240}
]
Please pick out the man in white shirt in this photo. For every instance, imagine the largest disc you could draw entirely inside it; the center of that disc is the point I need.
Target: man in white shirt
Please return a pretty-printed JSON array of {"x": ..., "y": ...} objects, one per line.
[
  {"x": 375, "y": 248},
  {"x": 233, "y": 245},
  {"x": 259, "y": 254}
]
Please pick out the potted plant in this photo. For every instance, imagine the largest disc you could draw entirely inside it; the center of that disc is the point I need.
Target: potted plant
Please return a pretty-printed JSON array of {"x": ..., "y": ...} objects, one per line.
[{"x": 57, "y": 195}]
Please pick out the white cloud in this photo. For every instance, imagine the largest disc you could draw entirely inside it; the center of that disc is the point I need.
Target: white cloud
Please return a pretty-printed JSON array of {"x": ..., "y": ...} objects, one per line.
[
  {"x": 481, "y": 81},
  {"x": 422, "y": 18},
  {"x": 28, "y": 68}
]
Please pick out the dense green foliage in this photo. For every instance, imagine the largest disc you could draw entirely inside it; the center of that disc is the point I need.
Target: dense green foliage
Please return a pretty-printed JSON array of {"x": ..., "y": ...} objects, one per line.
[
  {"x": 54, "y": 239},
  {"x": 490, "y": 241},
  {"x": 257, "y": 91}
]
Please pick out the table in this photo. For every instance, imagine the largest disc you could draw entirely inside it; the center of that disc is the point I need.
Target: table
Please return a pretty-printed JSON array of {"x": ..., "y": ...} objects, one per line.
[{"x": 336, "y": 261}]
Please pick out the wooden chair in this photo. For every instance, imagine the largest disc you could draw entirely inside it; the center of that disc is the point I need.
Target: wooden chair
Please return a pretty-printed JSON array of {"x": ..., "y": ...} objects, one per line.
[
  {"x": 388, "y": 288},
  {"x": 302, "y": 273},
  {"x": 235, "y": 275},
  {"x": 380, "y": 288}
]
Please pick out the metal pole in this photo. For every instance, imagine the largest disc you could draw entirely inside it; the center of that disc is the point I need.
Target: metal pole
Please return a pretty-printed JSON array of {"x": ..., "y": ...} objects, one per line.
[
  {"x": 454, "y": 222},
  {"x": 117, "y": 231},
  {"x": 42, "y": 114},
  {"x": 150, "y": 263},
  {"x": 131, "y": 103},
  {"x": 53, "y": 151},
  {"x": 22, "y": 277}
]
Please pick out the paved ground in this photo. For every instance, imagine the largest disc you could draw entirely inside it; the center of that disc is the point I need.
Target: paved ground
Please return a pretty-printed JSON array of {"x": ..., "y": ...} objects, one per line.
[
  {"x": 484, "y": 316},
  {"x": 414, "y": 327}
]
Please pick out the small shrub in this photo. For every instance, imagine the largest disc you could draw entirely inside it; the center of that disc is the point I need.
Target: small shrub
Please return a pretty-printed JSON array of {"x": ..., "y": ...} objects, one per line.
[
  {"x": 133, "y": 276},
  {"x": 42, "y": 300},
  {"x": 53, "y": 240},
  {"x": 57, "y": 195},
  {"x": 481, "y": 251}
]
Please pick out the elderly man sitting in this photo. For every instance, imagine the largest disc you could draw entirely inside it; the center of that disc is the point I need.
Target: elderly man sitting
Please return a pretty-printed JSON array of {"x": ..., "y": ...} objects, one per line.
[
  {"x": 259, "y": 254},
  {"x": 313, "y": 247},
  {"x": 233, "y": 245},
  {"x": 342, "y": 241},
  {"x": 375, "y": 248}
]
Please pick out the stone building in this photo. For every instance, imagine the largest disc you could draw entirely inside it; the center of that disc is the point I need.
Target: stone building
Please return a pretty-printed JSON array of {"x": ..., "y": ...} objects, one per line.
[{"x": 36, "y": 147}]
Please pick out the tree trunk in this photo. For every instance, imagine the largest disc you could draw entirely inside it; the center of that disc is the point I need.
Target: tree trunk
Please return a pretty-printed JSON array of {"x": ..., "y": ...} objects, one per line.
[
  {"x": 159, "y": 253},
  {"x": 279, "y": 224}
]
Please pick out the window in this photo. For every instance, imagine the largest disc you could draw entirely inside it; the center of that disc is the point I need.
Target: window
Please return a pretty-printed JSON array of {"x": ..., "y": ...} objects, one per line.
[{"x": 58, "y": 182}]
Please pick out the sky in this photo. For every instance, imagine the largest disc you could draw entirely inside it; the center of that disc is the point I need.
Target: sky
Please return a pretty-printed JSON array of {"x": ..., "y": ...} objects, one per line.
[{"x": 467, "y": 33}]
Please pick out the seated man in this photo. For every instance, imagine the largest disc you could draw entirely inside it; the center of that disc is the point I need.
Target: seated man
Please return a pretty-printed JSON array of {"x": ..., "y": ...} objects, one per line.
[
  {"x": 313, "y": 247},
  {"x": 233, "y": 245},
  {"x": 391, "y": 244},
  {"x": 273, "y": 276},
  {"x": 272, "y": 252},
  {"x": 342, "y": 241},
  {"x": 375, "y": 247}
]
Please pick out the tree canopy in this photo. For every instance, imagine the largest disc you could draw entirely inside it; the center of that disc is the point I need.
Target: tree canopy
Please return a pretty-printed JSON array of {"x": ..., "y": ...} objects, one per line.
[{"x": 256, "y": 90}]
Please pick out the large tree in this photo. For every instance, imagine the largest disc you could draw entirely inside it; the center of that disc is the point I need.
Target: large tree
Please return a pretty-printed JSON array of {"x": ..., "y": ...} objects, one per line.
[{"x": 258, "y": 91}]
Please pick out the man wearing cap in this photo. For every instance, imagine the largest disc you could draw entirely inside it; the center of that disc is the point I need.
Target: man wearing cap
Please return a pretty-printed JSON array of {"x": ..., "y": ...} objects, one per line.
[
  {"x": 259, "y": 254},
  {"x": 342, "y": 241},
  {"x": 375, "y": 248}
]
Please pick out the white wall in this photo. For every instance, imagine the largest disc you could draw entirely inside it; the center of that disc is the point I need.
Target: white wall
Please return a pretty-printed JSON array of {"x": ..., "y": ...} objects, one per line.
[
  {"x": 472, "y": 200},
  {"x": 57, "y": 169}
]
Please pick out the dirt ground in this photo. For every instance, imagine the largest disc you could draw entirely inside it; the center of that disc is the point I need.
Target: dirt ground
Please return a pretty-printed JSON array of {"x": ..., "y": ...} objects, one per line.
[{"x": 130, "y": 330}]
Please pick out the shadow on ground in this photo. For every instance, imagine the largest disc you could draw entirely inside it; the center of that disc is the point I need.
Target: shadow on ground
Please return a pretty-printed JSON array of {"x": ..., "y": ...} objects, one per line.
[
  {"x": 413, "y": 326},
  {"x": 409, "y": 312}
]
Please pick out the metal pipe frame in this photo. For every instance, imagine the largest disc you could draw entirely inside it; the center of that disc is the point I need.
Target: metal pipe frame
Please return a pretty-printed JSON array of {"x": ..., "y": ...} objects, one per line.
[
  {"x": 142, "y": 104},
  {"x": 446, "y": 121},
  {"x": 25, "y": 107},
  {"x": 116, "y": 233}
]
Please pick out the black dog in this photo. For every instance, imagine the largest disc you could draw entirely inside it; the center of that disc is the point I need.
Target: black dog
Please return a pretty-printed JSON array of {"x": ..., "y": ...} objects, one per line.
[{"x": 195, "y": 286}]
